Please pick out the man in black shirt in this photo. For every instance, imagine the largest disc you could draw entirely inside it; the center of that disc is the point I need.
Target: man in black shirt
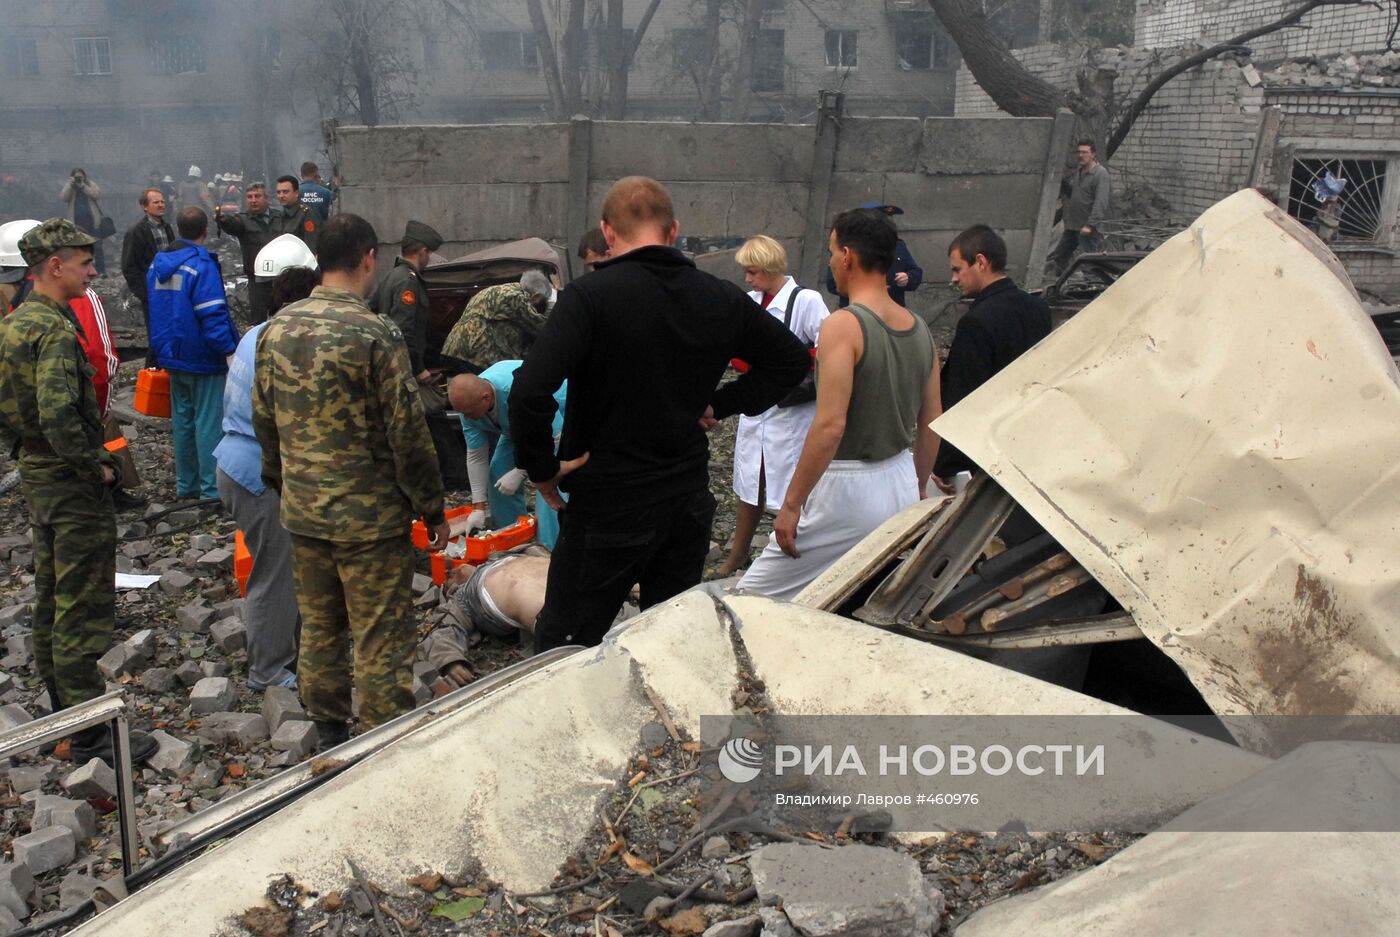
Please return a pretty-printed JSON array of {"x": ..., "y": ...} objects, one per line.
[
  {"x": 643, "y": 342},
  {"x": 1004, "y": 321}
]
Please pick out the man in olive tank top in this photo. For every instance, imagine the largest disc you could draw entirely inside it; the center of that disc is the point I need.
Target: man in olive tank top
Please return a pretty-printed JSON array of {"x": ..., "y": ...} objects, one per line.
[{"x": 869, "y": 452}]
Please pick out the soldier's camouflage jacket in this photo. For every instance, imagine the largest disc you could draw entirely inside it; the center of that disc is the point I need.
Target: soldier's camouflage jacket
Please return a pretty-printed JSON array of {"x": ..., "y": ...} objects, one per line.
[
  {"x": 499, "y": 324},
  {"x": 48, "y": 408},
  {"x": 341, "y": 424},
  {"x": 401, "y": 298}
]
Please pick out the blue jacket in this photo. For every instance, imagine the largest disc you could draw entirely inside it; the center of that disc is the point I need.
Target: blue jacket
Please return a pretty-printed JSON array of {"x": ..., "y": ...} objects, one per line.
[
  {"x": 904, "y": 262},
  {"x": 191, "y": 329},
  {"x": 238, "y": 454},
  {"x": 318, "y": 198}
]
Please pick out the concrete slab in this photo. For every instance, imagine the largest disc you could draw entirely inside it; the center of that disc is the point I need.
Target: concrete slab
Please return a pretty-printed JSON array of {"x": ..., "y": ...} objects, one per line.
[
  {"x": 992, "y": 145},
  {"x": 489, "y": 212},
  {"x": 702, "y": 152},
  {"x": 728, "y": 209},
  {"x": 447, "y": 154},
  {"x": 879, "y": 144}
]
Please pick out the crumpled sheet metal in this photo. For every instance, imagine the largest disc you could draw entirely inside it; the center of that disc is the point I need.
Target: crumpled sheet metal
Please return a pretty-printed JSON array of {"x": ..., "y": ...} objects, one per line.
[
  {"x": 1215, "y": 439},
  {"x": 1180, "y": 880}
]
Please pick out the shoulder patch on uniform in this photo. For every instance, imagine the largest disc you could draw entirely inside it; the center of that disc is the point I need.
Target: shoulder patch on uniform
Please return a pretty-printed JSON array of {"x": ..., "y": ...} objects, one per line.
[
  {"x": 309, "y": 226},
  {"x": 407, "y": 298}
]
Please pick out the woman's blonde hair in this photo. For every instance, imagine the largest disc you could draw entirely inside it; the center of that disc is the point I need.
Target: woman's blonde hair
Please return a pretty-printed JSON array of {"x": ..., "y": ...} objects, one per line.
[{"x": 762, "y": 253}]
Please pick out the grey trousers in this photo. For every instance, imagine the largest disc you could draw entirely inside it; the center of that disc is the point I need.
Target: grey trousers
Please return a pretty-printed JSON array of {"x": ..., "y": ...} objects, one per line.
[{"x": 270, "y": 606}]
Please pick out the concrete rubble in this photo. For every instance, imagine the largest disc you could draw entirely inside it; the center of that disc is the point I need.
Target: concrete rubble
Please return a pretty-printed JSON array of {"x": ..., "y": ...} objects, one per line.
[{"x": 856, "y": 890}]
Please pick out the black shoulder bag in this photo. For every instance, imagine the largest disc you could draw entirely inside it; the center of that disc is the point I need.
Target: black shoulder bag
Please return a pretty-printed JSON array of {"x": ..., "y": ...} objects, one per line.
[{"x": 806, "y": 390}]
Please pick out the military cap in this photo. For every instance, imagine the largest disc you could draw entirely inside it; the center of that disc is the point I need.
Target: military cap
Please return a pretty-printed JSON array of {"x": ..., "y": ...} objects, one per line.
[
  {"x": 52, "y": 236},
  {"x": 418, "y": 231}
]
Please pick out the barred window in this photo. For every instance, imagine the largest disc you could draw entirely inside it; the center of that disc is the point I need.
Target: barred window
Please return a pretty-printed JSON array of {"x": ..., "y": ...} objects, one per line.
[
  {"x": 176, "y": 55},
  {"x": 1339, "y": 199},
  {"x": 92, "y": 56}
]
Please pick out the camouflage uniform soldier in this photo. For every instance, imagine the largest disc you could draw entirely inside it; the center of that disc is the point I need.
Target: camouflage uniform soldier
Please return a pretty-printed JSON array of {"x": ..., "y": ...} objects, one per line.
[
  {"x": 401, "y": 297},
  {"x": 49, "y": 419},
  {"x": 499, "y": 324},
  {"x": 345, "y": 443}
]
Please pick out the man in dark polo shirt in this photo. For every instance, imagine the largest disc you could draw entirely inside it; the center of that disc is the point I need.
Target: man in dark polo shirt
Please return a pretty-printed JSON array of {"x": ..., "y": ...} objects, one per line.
[
  {"x": 1004, "y": 321},
  {"x": 643, "y": 341}
]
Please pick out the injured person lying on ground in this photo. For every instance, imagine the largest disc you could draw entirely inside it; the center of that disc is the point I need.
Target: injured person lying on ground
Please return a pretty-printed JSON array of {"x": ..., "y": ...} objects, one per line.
[{"x": 501, "y": 598}]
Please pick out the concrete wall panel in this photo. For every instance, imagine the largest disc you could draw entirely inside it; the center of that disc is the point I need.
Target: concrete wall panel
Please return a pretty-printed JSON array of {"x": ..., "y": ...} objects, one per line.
[
  {"x": 978, "y": 146},
  {"x": 879, "y": 144},
  {"x": 702, "y": 152},
  {"x": 958, "y": 201},
  {"x": 503, "y": 212},
  {"x": 728, "y": 209},
  {"x": 446, "y": 154}
]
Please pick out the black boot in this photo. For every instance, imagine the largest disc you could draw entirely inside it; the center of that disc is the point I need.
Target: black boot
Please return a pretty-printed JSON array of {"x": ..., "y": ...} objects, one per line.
[
  {"x": 331, "y": 734},
  {"x": 96, "y": 742},
  {"x": 123, "y": 500},
  {"x": 55, "y": 701}
]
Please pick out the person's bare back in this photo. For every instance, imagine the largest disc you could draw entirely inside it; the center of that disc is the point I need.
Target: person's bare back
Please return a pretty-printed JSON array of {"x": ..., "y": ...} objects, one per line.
[{"x": 517, "y": 588}]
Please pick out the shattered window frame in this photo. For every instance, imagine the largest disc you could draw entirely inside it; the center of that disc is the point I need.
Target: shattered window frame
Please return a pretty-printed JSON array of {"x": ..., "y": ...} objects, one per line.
[
  {"x": 688, "y": 48},
  {"x": 842, "y": 48},
  {"x": 92, "y": 56},
  {"x": 177, "y": 55},
  {"x": 21, "y": 56},
  {"x": 921, "y": 43},
  {"x": 1365, "y": 204},
  {"x": 769, "y": 61},
  {"x": 509, "y": 49}
]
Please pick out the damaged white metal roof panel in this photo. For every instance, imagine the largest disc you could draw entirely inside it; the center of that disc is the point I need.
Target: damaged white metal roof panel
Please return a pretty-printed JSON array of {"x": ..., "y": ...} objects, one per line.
[
  {"x": 1215, "y": 439},
  {"x": 514, "y": 781}
]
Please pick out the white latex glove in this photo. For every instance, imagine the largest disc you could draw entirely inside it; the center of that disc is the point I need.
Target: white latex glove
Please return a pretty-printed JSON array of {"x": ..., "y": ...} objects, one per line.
[
  {"x": 476, "y": 520},
  {"x": 509, "y": 483}
]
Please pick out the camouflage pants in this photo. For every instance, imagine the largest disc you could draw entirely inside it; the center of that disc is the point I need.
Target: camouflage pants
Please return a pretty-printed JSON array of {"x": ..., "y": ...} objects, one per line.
[
  {"x": 74, "y": 534},
  {"x": 360, "y": 593}
]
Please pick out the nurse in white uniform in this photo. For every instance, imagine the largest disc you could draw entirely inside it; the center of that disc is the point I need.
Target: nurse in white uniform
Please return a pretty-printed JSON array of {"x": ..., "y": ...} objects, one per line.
[{"x": 766, "y": 446}]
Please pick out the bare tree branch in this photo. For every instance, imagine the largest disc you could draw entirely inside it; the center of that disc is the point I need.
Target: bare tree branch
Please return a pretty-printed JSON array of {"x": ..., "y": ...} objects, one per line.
[
  {"x": 549, "y": 65},
  {"x": 1014, "y": 88},
  {"x": 1235, "y": 43}
]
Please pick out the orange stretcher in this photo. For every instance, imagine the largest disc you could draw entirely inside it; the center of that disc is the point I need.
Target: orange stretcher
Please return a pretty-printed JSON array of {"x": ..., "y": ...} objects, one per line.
[{"x": 479, "y": 547}]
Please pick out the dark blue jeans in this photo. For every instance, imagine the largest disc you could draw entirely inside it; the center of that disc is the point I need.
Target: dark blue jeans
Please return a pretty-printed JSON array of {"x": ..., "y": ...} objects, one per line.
[{"x": 603, "y": 552}]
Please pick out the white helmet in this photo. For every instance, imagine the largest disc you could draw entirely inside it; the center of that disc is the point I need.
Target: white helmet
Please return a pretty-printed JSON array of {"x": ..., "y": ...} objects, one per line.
[
  {"x": 10, "y": 233},
  {"x": 196, "y": 172},
  {"x": 281, "y": 253}
]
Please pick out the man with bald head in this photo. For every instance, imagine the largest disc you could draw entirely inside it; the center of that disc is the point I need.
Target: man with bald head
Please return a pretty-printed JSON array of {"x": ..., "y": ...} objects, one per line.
[
  {"x": 643, "y": 341},
  {"x": 482, "y": 403}
]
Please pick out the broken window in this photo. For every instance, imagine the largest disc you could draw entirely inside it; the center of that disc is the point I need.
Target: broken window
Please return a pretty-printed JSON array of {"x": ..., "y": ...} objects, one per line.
[
  {"x": 920, "y": 41},
  {"x": 841, "y": 48},
  {"x": 688, "y": 49},
  {"x": 597, "y": 40},
  {"x": 1339, "y": 199},
  {"x": 92, "y": 56},
  {"x": 176, "y": 55},
  {"x": 21, "y": 57},
  {"x": 509, "y": 48},
  {"x": 768, "y": 61}
]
